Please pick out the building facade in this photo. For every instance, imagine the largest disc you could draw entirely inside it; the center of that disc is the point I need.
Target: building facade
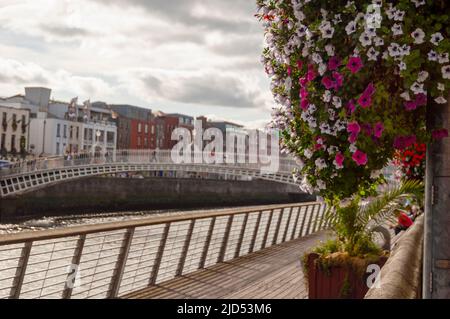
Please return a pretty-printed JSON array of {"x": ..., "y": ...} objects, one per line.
[{"x": 14, "y": 136}]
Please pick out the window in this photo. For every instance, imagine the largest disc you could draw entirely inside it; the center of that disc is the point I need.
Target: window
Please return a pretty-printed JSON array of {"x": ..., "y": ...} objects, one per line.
[
  {"x": 139, "y": 141},
  {"x": 58, "y": 130},
  {"x": 153, "y": 129},
  {"x": 145, "y": 142},
  {"x": 3, "y": 140},
  {"x": 146, "y": 128},
  {"x": 139, "y": 127},
  {"x": 70, "y": 132},
  {"x": 4, "y": 116},
  {"x": 13, "y": 142},
  {"x": 78, "y": 132},
  {"x": 57, "y": 148},
  {"x": 65, "y": 131}
]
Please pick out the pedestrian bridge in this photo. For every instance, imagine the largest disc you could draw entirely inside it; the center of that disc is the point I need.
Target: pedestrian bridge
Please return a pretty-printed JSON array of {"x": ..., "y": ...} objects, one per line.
[
  {"x": 31, "y": 175},
  {"x": 246, "y": 252}
]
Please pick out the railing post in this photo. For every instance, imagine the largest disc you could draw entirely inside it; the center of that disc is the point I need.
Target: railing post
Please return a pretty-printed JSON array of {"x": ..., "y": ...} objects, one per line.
[
  {"x": 226, "y": 236},
  {"x": 308, "y": 227},
  {"x": 20, "y": 271},
  {"x": 159, "y": 254},
  {"x": 255, "y": 232},
  {"x": 241, "y": 236},
  {"x": 207, "y": 242},
  {"x": 184, "y": 251},
  {"x": 287, "y": 225},
  {"x": 296, "y": 222},
  {"x": 300, "y": 234},
  {"x": 277, "y": 229},
  {"x": 116, "y": 279},
  {"x": 266, "y": 234},
  {"x": 321, "y": 216},
  {"x": 67, "y": 293}
]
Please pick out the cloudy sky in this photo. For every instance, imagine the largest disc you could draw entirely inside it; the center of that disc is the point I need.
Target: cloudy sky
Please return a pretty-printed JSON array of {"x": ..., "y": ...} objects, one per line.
[{"x": 199, "y": 57}]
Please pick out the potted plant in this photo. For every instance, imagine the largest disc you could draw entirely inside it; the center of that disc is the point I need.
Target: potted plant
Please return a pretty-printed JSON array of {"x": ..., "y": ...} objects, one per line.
[
  {"x": 338, "y": 267},
  {"x": 353, "y": 81}
]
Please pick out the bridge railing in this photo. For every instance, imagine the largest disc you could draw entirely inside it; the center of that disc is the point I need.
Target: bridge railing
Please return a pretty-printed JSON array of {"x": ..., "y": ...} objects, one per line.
[
  {"x": 110, "y": 260},
  {"x": 285, "y": 163}
]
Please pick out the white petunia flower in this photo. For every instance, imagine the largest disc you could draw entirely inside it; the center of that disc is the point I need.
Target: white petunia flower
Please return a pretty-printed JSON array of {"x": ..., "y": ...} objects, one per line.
[
  {"x": 378, "y": 41},
  {"x": 321, "y": 184},
  {"x": 365, "y": 39},
  {"x": 417, "y": 88},
  {"x": 432, "y": 55},
  {"x": 441, "y": 86},
  {"x": 307, "y": 153},
  {"x": 436, "y": 38},
  {"x": 446, "y": 72},
  {"x": 394, "y": 49},
  {"x": 320, "y": 164},
  {"x": 351, "y": 27},
  {"x": 373, "y": 54},
  {"x": 337, "y": 102},
  {"x": 418, "y": 35},
  {"x": 402, "y": 66},
  {"x": 418, "y": 3},
  {"x": 440, "y": 100},
  {"x": 405, "y": 96},
  {"x": 443, "y": 58},
  {"x": 326, "y": 29},
  {"x": 352, "y": 148},
  {"x": 317, "y": 58},
  {"x": 399, "y": 15},
  {"x": 329, "y": 48},
  {"x": 322, "y": 68},
  {"x": 422, "y": 76},
  {"x": 397, "y": 29},
  {"x": 326, "y": 96}
]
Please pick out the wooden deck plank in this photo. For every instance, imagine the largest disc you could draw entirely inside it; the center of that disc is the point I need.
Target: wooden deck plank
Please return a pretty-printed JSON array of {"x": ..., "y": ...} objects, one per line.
[{"x": 272, "y": 273}]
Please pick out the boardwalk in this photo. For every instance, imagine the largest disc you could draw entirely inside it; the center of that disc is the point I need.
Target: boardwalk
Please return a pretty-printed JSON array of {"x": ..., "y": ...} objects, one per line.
[{"x": 273, "y": 273}]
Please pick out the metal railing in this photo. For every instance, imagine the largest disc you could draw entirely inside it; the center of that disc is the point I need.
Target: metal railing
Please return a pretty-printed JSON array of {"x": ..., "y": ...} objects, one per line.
[
  {"x": 117, "y": 258},
  {"x": 286, "y": 163}
]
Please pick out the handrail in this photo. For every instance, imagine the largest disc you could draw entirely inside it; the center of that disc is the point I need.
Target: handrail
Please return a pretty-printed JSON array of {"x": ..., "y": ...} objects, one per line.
[
  {"x": 16, "y": 238},
  {"x": 116, "y": 258}
]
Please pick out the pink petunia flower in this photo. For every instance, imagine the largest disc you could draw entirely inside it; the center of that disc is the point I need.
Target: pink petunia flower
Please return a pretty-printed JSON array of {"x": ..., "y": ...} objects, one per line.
[
  {"x": 440, "y": 134},
  {"x": 304, "y": 92},
  {"x": 421, "y": 99},
  {"x": 353, "y": 137},
  {"x": 351, "y": 107},
  {"x": 339, "y": 79},
  {"x": 370, "y": 90},
  {"x": 354, "y": 64},
  {"x": 334, "y": 63},
  {"x": 303, "y": 81},
  {"x": 312, "y": 74},
  {"x": 402, "y": 142},
  {"x": 299, "y": 64},
  {"x": 304, "y": 104},
  {"x": 360, "y": 158},
  {"x": 365, "y": 101},
  {"x": 410, "y": 105},
  {"x": 339, "y": 160},
  {"x": 353, "y": 127},
  {"x": 289, "y": 70},
  {"x": 328, "y": 83},
  {"x": 378, "y": 129}
]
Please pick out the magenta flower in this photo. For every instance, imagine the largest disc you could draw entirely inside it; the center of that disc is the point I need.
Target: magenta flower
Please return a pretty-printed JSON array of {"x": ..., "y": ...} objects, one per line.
[
  {"x": 339, "y": 78},
  {"x": 378, "y": 129},
  {"x": 360, "y": 158},
  {"x": 353, "y": 137},
  {"x": 410, "y": 105},
  {"x": 339, "y": 159},
  {"x": 353, "y": 127},
  {"x": 303, "y": 81},
  {"x": 304, "y": 92},
  {"x": 300, "y": 64},
  {"x": 304, "y": 104},
  {"x": 311, "y": 75},
  {"x": 365, "y": 101},
  {"x": 334, "y": 63},
  {"x": 402, "y": 142},
  {"x": 440, "y": 134},
  {"x": 354, "y": 64},
  {"x": 351, "y": 106},
  {"x": 328, "y": 83},
  {"x": 370, "y": 90},
  {"x": 421, "y": 99},
  {"x": 289, "y": 70}
]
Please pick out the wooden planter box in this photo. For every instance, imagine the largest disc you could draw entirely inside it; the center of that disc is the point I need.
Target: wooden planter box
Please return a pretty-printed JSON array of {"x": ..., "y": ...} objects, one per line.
[{"x": 337, "y": 282}]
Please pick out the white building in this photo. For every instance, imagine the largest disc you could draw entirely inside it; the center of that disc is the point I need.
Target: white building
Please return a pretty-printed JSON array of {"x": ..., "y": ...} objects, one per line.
[
  {"x": 58, "y": 127},
  {"x": 14, "y": 130}
]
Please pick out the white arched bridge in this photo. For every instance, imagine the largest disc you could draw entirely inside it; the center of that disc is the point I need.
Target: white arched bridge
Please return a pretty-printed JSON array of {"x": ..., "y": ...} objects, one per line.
[{"x": 31, "y": 175}]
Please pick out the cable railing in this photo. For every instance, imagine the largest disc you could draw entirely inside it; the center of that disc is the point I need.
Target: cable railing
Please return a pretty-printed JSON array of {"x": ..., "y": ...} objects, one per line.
[{"x": 113, "y": 259}]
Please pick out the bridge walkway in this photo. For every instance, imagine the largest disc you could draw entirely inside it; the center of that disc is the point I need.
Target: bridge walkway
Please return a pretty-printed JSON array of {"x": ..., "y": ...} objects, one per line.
[{"x": 272, "y": 273}]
